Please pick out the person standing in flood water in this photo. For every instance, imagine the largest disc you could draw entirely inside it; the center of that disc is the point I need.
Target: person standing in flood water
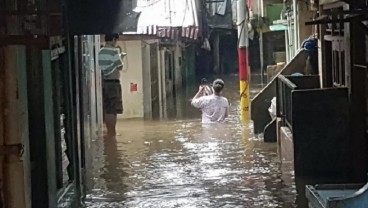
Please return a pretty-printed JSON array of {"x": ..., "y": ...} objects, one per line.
[
  {"x": 214, "y": 107},
  {"x": 111, "y": 64}
]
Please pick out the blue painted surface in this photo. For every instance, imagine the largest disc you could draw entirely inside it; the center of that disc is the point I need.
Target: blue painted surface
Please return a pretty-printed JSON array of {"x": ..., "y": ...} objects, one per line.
[{"x": 338, "y": 196}]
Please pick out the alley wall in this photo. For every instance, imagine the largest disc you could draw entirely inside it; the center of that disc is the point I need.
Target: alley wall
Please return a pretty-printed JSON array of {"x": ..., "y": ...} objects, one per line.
[{"x": 132, "y": 79}]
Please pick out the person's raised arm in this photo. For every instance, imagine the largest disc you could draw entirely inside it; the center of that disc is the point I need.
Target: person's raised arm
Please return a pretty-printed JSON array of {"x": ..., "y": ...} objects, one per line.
[
  {"x": 199, "y": 93},
  {"x": 196, "y": 101}
]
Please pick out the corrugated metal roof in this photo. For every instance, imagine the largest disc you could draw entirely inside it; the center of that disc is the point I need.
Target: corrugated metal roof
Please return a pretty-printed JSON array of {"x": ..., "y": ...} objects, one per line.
[{"x": 168, "y": 18}]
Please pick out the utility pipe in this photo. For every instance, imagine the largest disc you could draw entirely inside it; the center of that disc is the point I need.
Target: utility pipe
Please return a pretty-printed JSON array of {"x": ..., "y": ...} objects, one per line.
[{"x": 243, "y": 44}]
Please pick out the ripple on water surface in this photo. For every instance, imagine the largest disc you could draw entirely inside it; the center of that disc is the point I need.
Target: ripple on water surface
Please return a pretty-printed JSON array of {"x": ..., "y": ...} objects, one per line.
[{"x": 180, "y": 163}]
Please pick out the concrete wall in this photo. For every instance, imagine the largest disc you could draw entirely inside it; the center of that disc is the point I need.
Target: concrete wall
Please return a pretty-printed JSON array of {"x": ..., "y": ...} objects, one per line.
[
  {"x": 132, "y": 74},
  {"x": 14, "y": 127},
  {"x": 304, "y": 15},
  {"x": 137, "y": 70},
  {"x": 286, "y": 145}
]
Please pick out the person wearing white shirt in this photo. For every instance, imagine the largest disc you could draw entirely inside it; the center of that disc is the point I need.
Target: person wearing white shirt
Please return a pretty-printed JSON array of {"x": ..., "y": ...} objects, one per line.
[{"x": 214, "y": 107}]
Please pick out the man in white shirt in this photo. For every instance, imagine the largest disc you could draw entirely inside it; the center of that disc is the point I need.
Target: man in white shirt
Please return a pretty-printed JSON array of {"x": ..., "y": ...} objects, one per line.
[{"x": 214, "y": 107}]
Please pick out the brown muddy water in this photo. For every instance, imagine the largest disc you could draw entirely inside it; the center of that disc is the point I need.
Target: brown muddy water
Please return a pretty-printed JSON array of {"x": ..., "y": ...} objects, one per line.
[{"x": 178, "y": 163}]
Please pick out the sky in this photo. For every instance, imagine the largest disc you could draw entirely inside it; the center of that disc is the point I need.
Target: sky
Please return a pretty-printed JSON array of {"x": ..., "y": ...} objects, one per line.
[{"x": 175, "y": 13}]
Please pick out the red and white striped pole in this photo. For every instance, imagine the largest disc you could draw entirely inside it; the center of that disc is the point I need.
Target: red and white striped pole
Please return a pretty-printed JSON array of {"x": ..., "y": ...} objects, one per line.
[{"x": 244, "y": 74}]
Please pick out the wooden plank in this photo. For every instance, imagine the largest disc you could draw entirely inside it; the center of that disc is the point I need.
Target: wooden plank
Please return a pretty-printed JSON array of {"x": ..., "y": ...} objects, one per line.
[
  {"x": 2, "y": 99},
  {"x": 23, "y": 122},
  {"x": 13, "y": 172},
  {"x": 321, "y": 2},
  {"x": 332, "y": 5}
]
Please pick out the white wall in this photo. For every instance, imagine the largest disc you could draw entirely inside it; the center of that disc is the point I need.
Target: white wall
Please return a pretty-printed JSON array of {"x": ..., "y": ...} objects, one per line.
[
  {"x": 132, "y": 73},
  {"x": 137, "y": 70}
]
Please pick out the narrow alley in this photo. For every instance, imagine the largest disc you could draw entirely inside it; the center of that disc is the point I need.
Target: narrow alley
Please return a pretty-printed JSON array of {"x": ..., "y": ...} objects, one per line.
[
  {"x": 96, "y": 106},
  {"x": 180, "y": 163}
]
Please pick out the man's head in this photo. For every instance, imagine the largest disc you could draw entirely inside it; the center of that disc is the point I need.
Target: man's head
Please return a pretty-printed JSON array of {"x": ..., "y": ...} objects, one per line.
[
  {"x": 218, "y": 85},
  {"x": 111, "y": 39}
]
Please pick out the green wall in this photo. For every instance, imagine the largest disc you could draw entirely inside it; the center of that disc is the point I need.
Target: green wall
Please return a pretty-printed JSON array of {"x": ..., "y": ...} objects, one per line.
[{"x": 273, "y": 12}]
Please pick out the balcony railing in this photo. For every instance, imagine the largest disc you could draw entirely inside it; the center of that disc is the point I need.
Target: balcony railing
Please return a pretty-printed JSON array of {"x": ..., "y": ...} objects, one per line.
[{"x": 284, "y": 88}]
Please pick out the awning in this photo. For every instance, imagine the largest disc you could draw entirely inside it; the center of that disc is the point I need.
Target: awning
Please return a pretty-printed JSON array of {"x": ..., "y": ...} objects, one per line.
[
  {"x": 168, "y": 19},
  {"x": 173, "y": 33}
]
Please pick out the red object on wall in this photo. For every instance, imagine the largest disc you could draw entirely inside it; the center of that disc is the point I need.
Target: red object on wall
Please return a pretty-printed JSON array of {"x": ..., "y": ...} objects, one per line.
[{"x": 133, "y": 87}]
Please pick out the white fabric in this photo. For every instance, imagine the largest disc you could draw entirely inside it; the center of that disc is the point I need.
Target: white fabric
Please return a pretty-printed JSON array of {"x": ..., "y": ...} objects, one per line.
[
  {"x": 272, "y": 108},
  {"x": 214, "y": 108},
  {"x": 171, "y": 13}
]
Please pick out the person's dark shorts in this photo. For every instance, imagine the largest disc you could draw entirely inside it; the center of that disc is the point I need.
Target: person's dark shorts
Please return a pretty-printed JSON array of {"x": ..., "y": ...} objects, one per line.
[{"x": 112, "y": 99}]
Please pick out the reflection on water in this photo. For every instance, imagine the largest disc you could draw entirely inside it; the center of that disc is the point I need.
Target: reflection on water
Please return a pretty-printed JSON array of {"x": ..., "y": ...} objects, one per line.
[{"x": 180, "y": 163}]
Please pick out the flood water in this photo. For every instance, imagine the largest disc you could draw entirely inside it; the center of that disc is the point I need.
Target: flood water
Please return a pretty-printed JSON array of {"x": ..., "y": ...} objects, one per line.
[{"x": 178, "y": 163}]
